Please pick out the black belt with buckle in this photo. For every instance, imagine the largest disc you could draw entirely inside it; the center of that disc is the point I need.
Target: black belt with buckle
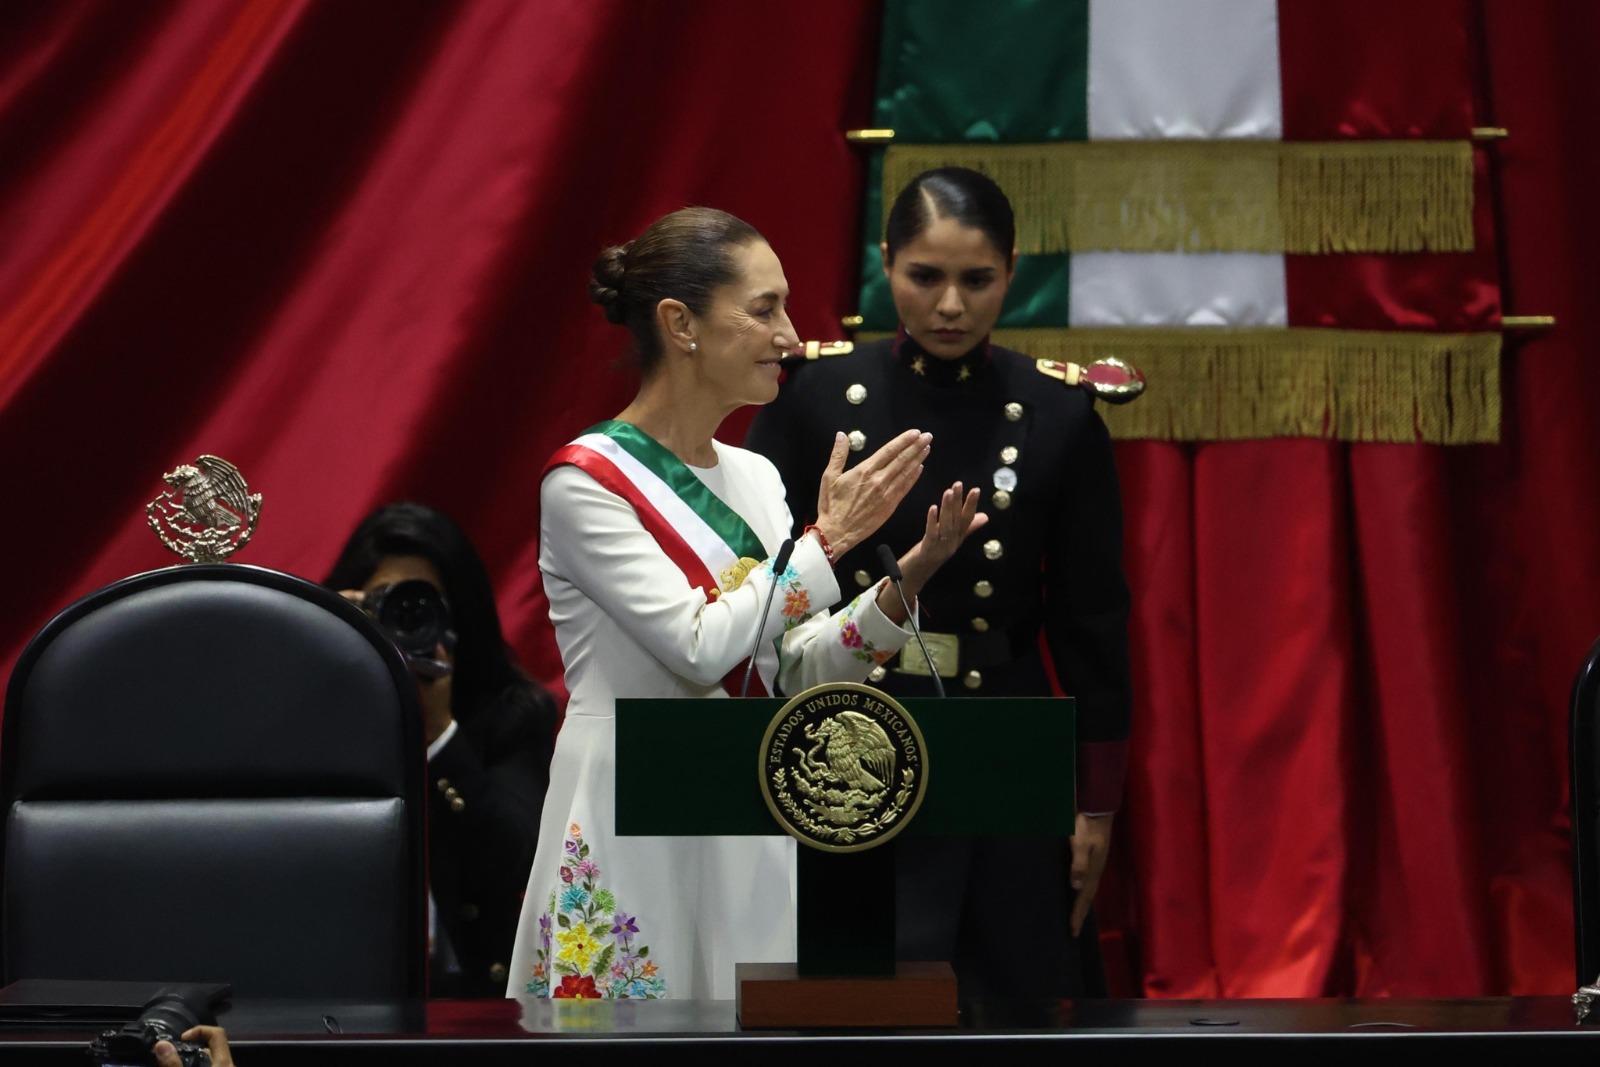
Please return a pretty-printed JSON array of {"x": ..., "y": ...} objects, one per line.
[{"x": 955, "y": 653}]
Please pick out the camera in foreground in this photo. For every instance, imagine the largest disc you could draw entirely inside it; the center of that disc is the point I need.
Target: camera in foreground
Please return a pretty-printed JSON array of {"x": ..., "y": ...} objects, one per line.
[{"x": 164, "y": 1018}]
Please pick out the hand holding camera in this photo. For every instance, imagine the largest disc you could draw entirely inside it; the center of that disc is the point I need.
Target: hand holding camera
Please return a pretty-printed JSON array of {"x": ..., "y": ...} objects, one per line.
[
  {"x": 416, "y": 617},
  {"x": 215, "y": 1050},
  {"x": 168, "y": 1033}
]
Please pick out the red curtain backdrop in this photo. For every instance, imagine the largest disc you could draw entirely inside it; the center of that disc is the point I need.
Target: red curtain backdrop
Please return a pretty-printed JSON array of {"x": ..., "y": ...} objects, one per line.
[{"x": 343, "y": 243}]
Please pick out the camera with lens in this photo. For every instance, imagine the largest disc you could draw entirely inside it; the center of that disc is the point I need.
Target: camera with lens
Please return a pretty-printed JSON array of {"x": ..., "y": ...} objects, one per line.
[
  {"x": 164, "y": 1018},
  {"x": 415, "y": 616}
]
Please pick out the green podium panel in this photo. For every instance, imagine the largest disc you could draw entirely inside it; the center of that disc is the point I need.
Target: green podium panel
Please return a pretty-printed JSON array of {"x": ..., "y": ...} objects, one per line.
[{"x": 999, "y": 767}]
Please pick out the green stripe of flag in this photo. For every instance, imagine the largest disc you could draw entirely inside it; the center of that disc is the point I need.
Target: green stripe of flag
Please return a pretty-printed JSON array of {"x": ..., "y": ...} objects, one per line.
[
  {"x": 691, "y": 490},
  {"x": 937, "y": 79},
  {"x": 933, "y": 88}
]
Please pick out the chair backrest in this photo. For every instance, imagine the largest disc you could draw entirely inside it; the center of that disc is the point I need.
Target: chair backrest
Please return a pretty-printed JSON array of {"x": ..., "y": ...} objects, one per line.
[
  {"x": 215, "y": 773},
  {"x": 1585, "y": 765}
]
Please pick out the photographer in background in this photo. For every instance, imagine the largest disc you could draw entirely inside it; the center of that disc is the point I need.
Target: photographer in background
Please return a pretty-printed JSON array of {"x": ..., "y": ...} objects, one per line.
[{"x": 489, "y": 728}]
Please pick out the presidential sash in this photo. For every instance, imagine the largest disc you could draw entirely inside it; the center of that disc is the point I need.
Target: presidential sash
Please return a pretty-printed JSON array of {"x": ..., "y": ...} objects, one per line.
[{"x": 702, "y": 536}]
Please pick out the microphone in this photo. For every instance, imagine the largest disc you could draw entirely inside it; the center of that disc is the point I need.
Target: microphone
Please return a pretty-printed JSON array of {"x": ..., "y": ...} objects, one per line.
[
  {"x": 891, "y": 567},
  {"x": 780, "y": 563}
]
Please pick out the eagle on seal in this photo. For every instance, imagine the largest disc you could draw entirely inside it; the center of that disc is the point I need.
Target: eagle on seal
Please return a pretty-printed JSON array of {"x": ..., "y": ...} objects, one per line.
[
  {"x": 214, "y": 494},
  {"x": 856, "y": 749}
]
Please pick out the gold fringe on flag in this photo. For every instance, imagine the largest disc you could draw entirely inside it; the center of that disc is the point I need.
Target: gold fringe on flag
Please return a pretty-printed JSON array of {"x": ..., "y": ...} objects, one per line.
[
  {"x": 1213, "y": 383},
  {"x": 1220, "y": 196}
]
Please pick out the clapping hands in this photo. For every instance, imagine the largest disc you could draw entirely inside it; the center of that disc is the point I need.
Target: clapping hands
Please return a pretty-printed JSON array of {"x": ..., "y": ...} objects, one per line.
[
  {"x": 852, "y": 504},
  {"x": 949, "y": 523}
]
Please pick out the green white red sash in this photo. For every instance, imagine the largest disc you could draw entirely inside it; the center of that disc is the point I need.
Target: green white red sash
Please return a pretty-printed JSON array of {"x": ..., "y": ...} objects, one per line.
[{"x": 702, "y": 536}]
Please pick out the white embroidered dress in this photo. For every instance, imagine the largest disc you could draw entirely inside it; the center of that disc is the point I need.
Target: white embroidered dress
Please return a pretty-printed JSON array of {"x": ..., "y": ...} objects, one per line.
[{"x": 647, "y": 917}]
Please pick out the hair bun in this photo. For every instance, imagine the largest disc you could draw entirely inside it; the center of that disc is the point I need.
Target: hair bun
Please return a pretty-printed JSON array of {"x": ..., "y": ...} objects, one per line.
[{"x": 610, "y": 280}]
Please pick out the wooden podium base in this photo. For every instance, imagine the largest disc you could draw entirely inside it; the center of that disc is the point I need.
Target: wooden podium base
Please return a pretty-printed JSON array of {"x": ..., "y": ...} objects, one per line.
[{"x": 775, "y": 996}]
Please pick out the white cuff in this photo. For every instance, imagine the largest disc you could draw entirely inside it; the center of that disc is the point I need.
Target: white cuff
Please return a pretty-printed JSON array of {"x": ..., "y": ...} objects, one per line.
[{"x": 443, "y": 739}]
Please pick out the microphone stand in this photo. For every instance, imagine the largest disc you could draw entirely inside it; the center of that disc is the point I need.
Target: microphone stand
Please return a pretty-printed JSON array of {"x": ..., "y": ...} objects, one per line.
[
  {"x": 891, "y": 567},
  {"x": 780, "y": 563}
]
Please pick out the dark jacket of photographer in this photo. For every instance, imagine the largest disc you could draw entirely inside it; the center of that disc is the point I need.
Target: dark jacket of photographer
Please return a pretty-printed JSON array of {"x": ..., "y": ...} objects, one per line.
[{"x": 487, "y": 791}]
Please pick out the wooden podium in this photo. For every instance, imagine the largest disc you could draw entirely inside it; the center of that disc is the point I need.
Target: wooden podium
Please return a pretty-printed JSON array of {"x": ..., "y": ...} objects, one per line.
[{"x": 995, "y": 768}]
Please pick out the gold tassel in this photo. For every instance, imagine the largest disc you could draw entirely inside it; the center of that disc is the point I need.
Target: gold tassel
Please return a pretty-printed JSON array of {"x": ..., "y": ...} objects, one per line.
[
  {"x": 1238, "y": 383},
  {"x": 1220, "y": 196}
]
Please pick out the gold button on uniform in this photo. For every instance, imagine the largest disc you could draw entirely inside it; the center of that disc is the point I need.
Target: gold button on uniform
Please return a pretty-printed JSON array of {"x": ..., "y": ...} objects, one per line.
[
  {"x": 457, "y": 805},
  {"x": 497, "y": 973},
  {"x": 877, "y": 675},
  {"x": 983, "y": 587},
  {"x": 863, "y": 579},
  {"x": 856, "y": 393},
  {"x": 1013, "y": 411},
  {"x": 972, "y": 680},
  {"x": 443, "y": 784},
  {"x": 1001, "y": 499},
  {"x": 858, "y": 440},
  {"x": 1008, "y": 454},
  {"x": 981, "y": 625},
  {"x": 993, "y": 550}
]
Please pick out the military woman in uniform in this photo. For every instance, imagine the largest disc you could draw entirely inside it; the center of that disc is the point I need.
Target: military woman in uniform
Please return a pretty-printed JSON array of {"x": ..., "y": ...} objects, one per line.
[{"x": 1040, "y": 590}]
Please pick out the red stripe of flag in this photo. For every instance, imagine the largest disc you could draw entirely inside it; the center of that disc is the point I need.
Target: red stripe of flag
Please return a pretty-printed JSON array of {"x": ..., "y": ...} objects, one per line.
[{"x": 678, "y": 551}]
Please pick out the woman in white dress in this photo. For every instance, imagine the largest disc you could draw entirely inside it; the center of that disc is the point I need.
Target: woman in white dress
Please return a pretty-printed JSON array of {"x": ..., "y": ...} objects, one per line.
[{"x": 657, "y": 545}]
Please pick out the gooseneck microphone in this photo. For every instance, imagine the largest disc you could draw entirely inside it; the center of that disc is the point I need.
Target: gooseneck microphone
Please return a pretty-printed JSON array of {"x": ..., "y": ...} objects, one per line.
[
  {"x": 780, "y": 563},
  {"x": 891, "y": 567}
]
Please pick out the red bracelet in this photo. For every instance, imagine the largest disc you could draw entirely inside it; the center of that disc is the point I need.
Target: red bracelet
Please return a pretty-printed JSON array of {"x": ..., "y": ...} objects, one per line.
[{"x": 827, "y": 549}]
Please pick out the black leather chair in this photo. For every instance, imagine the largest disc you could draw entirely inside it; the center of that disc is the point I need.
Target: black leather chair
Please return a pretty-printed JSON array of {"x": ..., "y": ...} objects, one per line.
[
  {"x": 1585, "y": 764},
  {"x": 215, "y": 773}
]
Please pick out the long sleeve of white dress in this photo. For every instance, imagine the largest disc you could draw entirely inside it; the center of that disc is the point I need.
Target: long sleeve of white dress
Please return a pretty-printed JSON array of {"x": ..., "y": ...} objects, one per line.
[{"x": 604, "y": 571}]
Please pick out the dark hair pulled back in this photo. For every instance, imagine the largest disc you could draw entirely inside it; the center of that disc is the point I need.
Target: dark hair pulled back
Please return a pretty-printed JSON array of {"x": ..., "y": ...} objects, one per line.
[
  {"x": 959, "y": 193},
  {"x": 682, "y": 256}
]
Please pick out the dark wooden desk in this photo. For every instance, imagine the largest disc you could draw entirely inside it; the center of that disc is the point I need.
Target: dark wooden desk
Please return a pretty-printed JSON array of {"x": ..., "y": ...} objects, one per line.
[{"x": 1276, "y": 1032}]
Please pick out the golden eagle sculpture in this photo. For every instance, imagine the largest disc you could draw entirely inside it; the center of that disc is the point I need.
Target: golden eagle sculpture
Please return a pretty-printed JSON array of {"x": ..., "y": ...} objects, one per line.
[{"x": 208, "y": 514}]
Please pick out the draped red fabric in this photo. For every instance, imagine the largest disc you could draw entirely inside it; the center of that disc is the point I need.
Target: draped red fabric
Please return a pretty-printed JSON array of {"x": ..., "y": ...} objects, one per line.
[
  {"x": 1399, "y": 723},
  {"x": 1353, "y": 660},
  {"x": 343, "y": 243},
  {"x": 1325, "y": 663}
]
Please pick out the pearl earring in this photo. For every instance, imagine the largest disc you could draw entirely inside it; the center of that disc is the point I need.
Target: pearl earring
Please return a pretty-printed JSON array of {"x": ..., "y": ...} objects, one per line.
[{"x": 694, "y": 346}]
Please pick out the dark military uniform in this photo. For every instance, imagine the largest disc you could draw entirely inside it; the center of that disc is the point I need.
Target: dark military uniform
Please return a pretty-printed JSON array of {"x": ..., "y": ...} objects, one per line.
[{"x": 1045, "y": 572}]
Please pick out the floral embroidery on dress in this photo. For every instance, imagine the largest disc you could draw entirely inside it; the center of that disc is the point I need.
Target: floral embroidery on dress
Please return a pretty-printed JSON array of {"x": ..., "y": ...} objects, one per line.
[
  {"x": 796, "y": 600},
  {"x": 796, "y": 603},
  {"x": 587, "y": 946},
  {"x": 850, "y": 637}
]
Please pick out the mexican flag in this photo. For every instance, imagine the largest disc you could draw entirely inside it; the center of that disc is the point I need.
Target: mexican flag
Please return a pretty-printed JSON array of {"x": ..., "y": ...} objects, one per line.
[{"x": 1272, "y": 208}]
